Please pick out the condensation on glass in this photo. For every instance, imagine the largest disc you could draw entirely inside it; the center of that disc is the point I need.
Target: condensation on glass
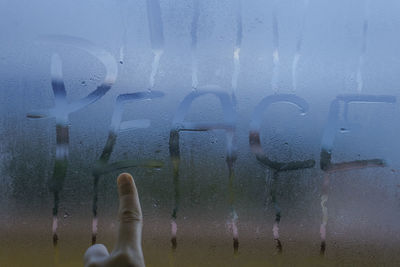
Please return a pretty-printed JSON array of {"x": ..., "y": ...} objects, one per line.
[{"x": 258, "y": 132}]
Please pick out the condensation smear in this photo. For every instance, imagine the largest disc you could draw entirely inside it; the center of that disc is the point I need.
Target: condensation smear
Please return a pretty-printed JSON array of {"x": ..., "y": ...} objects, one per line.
[
  {"x": 62, "y": 109},
  {"x": 230, "y": 160},
  {"x": 359, "y": 79},
  {"x": 156, "y": 37},
  {"x": 175, "y": 159},
  {"x": 328, "y": 137},
  {"x": 277, "y": 209},
  {"x": 193, "y": 35},
  {"x": 333, "y": 124},
  {"x": 324, "y": 200},
  {"x": 62, "y": 139},
  {"x": 231, "y": 155},
  {"x": 275, "y": 53},
  {"x": 124, "y": 20},
  {"x": 275, "y": 167},
  {"x": 236, "y": 51},
  {"x": 229, "y": 126},
  {"x": 122, "y": 54},
  {"x": 117, "y": 125},
  {"x": 299, "y": 44},
  {"x": 230, "y": 135}
]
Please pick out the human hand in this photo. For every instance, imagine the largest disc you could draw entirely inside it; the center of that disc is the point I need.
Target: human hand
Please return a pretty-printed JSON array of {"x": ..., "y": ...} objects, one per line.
[{"x": 128, "y": 250}]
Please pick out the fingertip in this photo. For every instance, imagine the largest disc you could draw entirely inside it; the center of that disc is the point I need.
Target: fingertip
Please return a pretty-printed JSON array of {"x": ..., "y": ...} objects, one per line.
[
  {"x": 125, "y": 184},
  {"x": 95, "y": 253},
  {"x": 129, "y": 213},
  {"x": 124, "y": 178}
]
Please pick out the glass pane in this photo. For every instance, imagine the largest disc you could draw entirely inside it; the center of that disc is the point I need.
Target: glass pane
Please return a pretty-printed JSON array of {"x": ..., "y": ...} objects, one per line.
[{"x": 258, "y": 132}]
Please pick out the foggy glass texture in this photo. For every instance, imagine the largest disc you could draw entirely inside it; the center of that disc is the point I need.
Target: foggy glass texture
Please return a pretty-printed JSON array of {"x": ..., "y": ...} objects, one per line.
[{"x": 259, "y": 133}]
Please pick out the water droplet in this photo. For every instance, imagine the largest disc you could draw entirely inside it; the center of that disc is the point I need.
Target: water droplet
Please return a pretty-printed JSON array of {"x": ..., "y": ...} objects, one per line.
[{"x": 66, "y": 215}]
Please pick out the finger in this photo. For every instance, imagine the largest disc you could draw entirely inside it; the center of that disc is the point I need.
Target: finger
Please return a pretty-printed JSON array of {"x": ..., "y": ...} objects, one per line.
[
  {"x": 95, "y": 255},
  {"x": 129, "y": 215}
]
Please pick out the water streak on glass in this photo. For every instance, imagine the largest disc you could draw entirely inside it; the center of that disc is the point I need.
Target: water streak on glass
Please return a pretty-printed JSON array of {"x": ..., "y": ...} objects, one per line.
[
  {"x": 156, "y": 37},
  {"x": 275, "y": 42},
  {"x": 324, "y": 200},
  {"x": 359, "y": 79},
  {"x": 62, "y": 109},
  {"x": 299, "y": 44},
  {"x": 332, "y": 127},
  {"x": 236, "y": 51},
  {"x": 193, "y": 35},
  {"x": 228, "y": 125},
  {"x": 123, "y": 14},
  {"x": 117, "y": 125},
  {"x": 275, "y": 166}
]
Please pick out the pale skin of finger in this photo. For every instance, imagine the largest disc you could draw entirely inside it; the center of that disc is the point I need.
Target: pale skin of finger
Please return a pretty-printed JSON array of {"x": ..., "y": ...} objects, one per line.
[
  {"x": 129, "y": 215},
  {"x": 95, "y": 254},
  {"x": 128, "y": 250}
]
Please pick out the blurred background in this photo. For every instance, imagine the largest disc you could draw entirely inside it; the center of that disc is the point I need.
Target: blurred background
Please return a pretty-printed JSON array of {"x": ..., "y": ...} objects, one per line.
[{"x": 66, "y": 134}]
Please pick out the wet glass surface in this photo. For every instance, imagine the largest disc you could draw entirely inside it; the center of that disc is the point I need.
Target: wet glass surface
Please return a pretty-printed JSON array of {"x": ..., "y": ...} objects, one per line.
[{"x": 259, "y": 133}]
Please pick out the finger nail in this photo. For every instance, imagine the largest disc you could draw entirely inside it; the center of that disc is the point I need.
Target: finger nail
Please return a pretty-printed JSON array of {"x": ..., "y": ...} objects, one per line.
[{"x": 125, "y": 184}]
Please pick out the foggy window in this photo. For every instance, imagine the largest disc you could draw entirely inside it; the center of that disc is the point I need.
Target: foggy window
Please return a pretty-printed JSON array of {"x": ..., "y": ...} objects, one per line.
[{"x": 258, "y": 132}]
